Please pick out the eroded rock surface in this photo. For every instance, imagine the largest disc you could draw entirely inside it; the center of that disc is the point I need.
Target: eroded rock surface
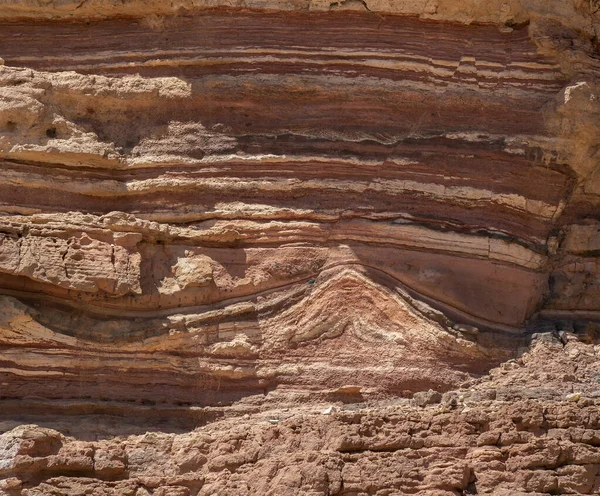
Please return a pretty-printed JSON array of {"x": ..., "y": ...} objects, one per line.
[
  {"x": 530, "y": 427},
  {"x": 223, "y": 219}
]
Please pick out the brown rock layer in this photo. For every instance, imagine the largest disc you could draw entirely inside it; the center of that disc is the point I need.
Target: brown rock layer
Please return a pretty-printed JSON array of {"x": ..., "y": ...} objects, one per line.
[
  {"x": 206, "y": 210},
  {"x": 518, "y": 431}
]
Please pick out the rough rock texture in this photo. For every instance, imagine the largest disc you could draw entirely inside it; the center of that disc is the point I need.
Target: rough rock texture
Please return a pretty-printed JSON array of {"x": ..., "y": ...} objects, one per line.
[
  {"x": 531, "y": 427},
  {"x": 239, "y": 215}
]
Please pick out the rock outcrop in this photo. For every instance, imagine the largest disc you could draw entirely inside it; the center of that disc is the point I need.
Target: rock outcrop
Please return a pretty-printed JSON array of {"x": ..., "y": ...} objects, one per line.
[
  {"x": 234, "y": 216},
  {"x": 520, "y": 430}
]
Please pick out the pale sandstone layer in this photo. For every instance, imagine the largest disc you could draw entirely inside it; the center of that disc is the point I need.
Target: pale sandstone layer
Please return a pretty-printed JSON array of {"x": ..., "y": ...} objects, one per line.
[{"x": 209, "y": 209}]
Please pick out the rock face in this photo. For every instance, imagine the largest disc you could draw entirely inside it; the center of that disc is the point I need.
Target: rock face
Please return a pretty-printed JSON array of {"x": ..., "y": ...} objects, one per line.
[
  {"x": 518, "y": 431},
  {"x": 219, "y": 220}
]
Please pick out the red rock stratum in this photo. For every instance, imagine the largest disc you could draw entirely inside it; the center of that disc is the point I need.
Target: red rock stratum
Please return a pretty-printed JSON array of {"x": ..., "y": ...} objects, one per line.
[{"x": 299, "y": 247}]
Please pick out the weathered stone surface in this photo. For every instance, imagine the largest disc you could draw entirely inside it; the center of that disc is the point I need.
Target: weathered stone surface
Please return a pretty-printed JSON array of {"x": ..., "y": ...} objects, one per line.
[
  {"x": 220, "y": 219},
  {"x": 477, "y": 445}
]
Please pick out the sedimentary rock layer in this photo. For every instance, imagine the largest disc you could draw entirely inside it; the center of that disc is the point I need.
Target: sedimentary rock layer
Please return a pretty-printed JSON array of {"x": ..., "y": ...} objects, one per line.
[
  {"x": 200, "y": 162},
  {"x": 517, "y": 431},
  {"x": 206, "y": 210}
]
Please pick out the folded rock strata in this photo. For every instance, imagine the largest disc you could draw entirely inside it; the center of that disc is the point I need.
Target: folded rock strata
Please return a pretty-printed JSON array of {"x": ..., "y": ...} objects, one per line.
[{"x": 212, "y": 208}]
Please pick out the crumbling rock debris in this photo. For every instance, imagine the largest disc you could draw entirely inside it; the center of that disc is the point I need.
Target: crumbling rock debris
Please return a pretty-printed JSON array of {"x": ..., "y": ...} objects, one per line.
[{"x": 424, "y": 398}]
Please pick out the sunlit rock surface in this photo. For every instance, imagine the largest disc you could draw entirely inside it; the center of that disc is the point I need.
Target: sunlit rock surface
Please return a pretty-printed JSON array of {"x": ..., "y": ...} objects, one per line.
[{"x": 277, "y": 247}]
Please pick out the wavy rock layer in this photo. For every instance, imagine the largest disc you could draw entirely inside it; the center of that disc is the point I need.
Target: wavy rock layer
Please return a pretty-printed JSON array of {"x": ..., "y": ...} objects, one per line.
[{"x": 208, "y": 211}]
